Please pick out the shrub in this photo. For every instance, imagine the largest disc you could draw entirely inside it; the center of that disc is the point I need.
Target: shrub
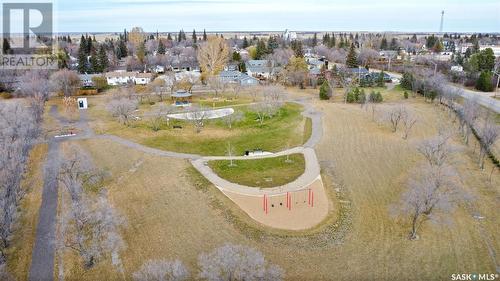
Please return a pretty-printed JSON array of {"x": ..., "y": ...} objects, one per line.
[
  {"x": 324, "y": 91},
  {"x": 407, "y": 81},
  {"x": 483, "y": 83},
  {"x": 405, "y": 94},
  {"x": 376, "y": 97}
]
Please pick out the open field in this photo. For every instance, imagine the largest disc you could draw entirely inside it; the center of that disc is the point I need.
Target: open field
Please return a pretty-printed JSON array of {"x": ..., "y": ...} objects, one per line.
[
  {"x": 173, "y": 213},
  {"x": 287, "y": 129},
  {"x": 19, "y": 255},
  {"x": 269, "y": 172}
]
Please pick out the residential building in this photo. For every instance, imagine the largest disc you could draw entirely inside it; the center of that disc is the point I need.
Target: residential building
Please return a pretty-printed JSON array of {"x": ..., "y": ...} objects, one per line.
[
  {"x": 232, "y": 76},
  {"x": 261, "y": 69}
]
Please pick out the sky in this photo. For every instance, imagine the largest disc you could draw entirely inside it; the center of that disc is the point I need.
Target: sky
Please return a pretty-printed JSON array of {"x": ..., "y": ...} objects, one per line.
[{"x": 276, "y": 15}]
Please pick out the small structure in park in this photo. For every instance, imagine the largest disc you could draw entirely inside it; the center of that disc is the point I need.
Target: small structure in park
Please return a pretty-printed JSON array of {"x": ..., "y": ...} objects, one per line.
[
  {"x": 82, "y": 103},
  {"x": 182, "y": 98}
]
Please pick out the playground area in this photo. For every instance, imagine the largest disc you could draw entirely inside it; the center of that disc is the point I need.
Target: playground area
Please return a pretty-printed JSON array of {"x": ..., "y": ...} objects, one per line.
[{"x": 298, "y": 210}]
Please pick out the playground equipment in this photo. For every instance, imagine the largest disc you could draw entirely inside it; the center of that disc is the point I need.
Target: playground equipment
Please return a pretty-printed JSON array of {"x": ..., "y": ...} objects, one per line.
[{"x": 288, "y": 200}]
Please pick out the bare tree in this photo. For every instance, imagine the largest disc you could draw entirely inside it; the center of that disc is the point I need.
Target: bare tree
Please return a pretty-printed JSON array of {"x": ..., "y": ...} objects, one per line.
[
  {"x": 35, "y": 88},
  {"x": 468, "y": 115},
  {"x": 213, "y": 56},
  {"x": 230, "y": 153},
  {"x": 274, "y": 93},
  {"x": 237, "y": 263},
  {"x": 264, "y": 110},
  {"x": 122, "y": 108},
  {"x": 436, "y": 150},
  {"x": 395, "y": 116},
  {"x": 197, "y": 115},
  {"x": 161, "y": 270},
  {"x": 216, "y": 84},
  {"x": 232, "y": 118},
  {"x": 18, "y": 132},
  {"x": 408, "y": 120},
  {"x": 65, "y": 81},
  {"x": 90, "y": 224},
  {"x": 488, "y": 135},
  {"x": 431, "y": 193},
  {"x": 236, "y": 88}
]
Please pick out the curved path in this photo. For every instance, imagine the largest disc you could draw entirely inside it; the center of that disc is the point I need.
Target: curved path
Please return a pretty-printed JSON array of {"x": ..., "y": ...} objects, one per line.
[{"x": 312, "y": 169}]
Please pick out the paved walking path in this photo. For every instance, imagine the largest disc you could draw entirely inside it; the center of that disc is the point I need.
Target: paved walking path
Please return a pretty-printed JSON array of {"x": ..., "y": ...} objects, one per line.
[
  {"x": 311, "y": 173},
  {"x": 42, "y": 259}
]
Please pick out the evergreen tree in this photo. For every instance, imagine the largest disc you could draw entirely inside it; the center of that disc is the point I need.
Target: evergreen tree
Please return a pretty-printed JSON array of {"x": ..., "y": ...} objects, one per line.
[
  {"x": 394, "y": 44},
  {"x": 326, "y": 39},
  {"x": 297, "y": 48},
  {"x": 195, "y": 38},
  {"x": 6, "y": 47},
  {"x": 179, "y": 37},
  {"x": 245, "y": 43},
  {"x": 383, "y": 44},
  {"x": 475, "y": 46},
  {"x": 483, "y": 83},
  {"x": 352, "y": 58},
  {"x": 122, "y": 51},
  {"x": 103, "y": 59},
  {"x": 438, "y": 46},
  {"x": 324, "y": 91},
  {"x": 82, "y": 56},
  {"x": 204, "y": 35},
  {"x": 272, "y": 44},
  {"x": 94, "y": 62},
  {"x": 261, "y": 50},
  {"x": 89, "y": 46},
  {"x": 236, "y": 56},
  {"x": 314, "y": 42},
  {"x": 333, "y": 41},
  {"x": 125, "y": 35},
  {"x": 169, "y": 37},
  {"x": 414, "y": 38},
  {"x": 161, "y": 48}
]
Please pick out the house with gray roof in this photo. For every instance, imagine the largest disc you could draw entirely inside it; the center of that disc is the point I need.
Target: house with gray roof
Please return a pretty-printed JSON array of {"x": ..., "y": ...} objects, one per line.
[
  {"x": 232, "y": 76},
  {"x": 261, "y": 69}
]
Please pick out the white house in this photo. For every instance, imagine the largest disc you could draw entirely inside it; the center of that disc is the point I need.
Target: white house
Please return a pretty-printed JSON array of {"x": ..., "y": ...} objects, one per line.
[
  {"x": 457, "y": 68},
  {"x": 120, "y": 77},
  {"x": 142, "y": 78}
]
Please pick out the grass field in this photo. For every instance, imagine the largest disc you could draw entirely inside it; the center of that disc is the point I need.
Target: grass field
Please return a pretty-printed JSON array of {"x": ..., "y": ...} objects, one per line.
[
  {"x": 269, "y": 172},
  {"x": 174, "y": 213},
  {"x": 287, "y": 129}
]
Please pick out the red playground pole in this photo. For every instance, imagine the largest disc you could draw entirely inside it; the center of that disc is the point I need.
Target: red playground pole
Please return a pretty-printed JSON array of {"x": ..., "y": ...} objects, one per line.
[
  {"x": 267, "y": 207},
  {"x": 312, "y": 198},
  {"x": 287, "y": 194},
  {"x": 290, "y": 204}
]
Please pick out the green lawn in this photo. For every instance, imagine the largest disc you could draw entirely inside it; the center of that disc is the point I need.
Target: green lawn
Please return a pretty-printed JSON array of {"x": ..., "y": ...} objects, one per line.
[
  {"x": 264, "y": 173},
  {"x": 288, "y": 128}
]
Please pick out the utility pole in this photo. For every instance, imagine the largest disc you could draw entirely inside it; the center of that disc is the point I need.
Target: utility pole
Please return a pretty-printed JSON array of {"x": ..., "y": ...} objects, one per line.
[
  {"x": 442, "y": 22},
  {"x": 497, "y": 72}
]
